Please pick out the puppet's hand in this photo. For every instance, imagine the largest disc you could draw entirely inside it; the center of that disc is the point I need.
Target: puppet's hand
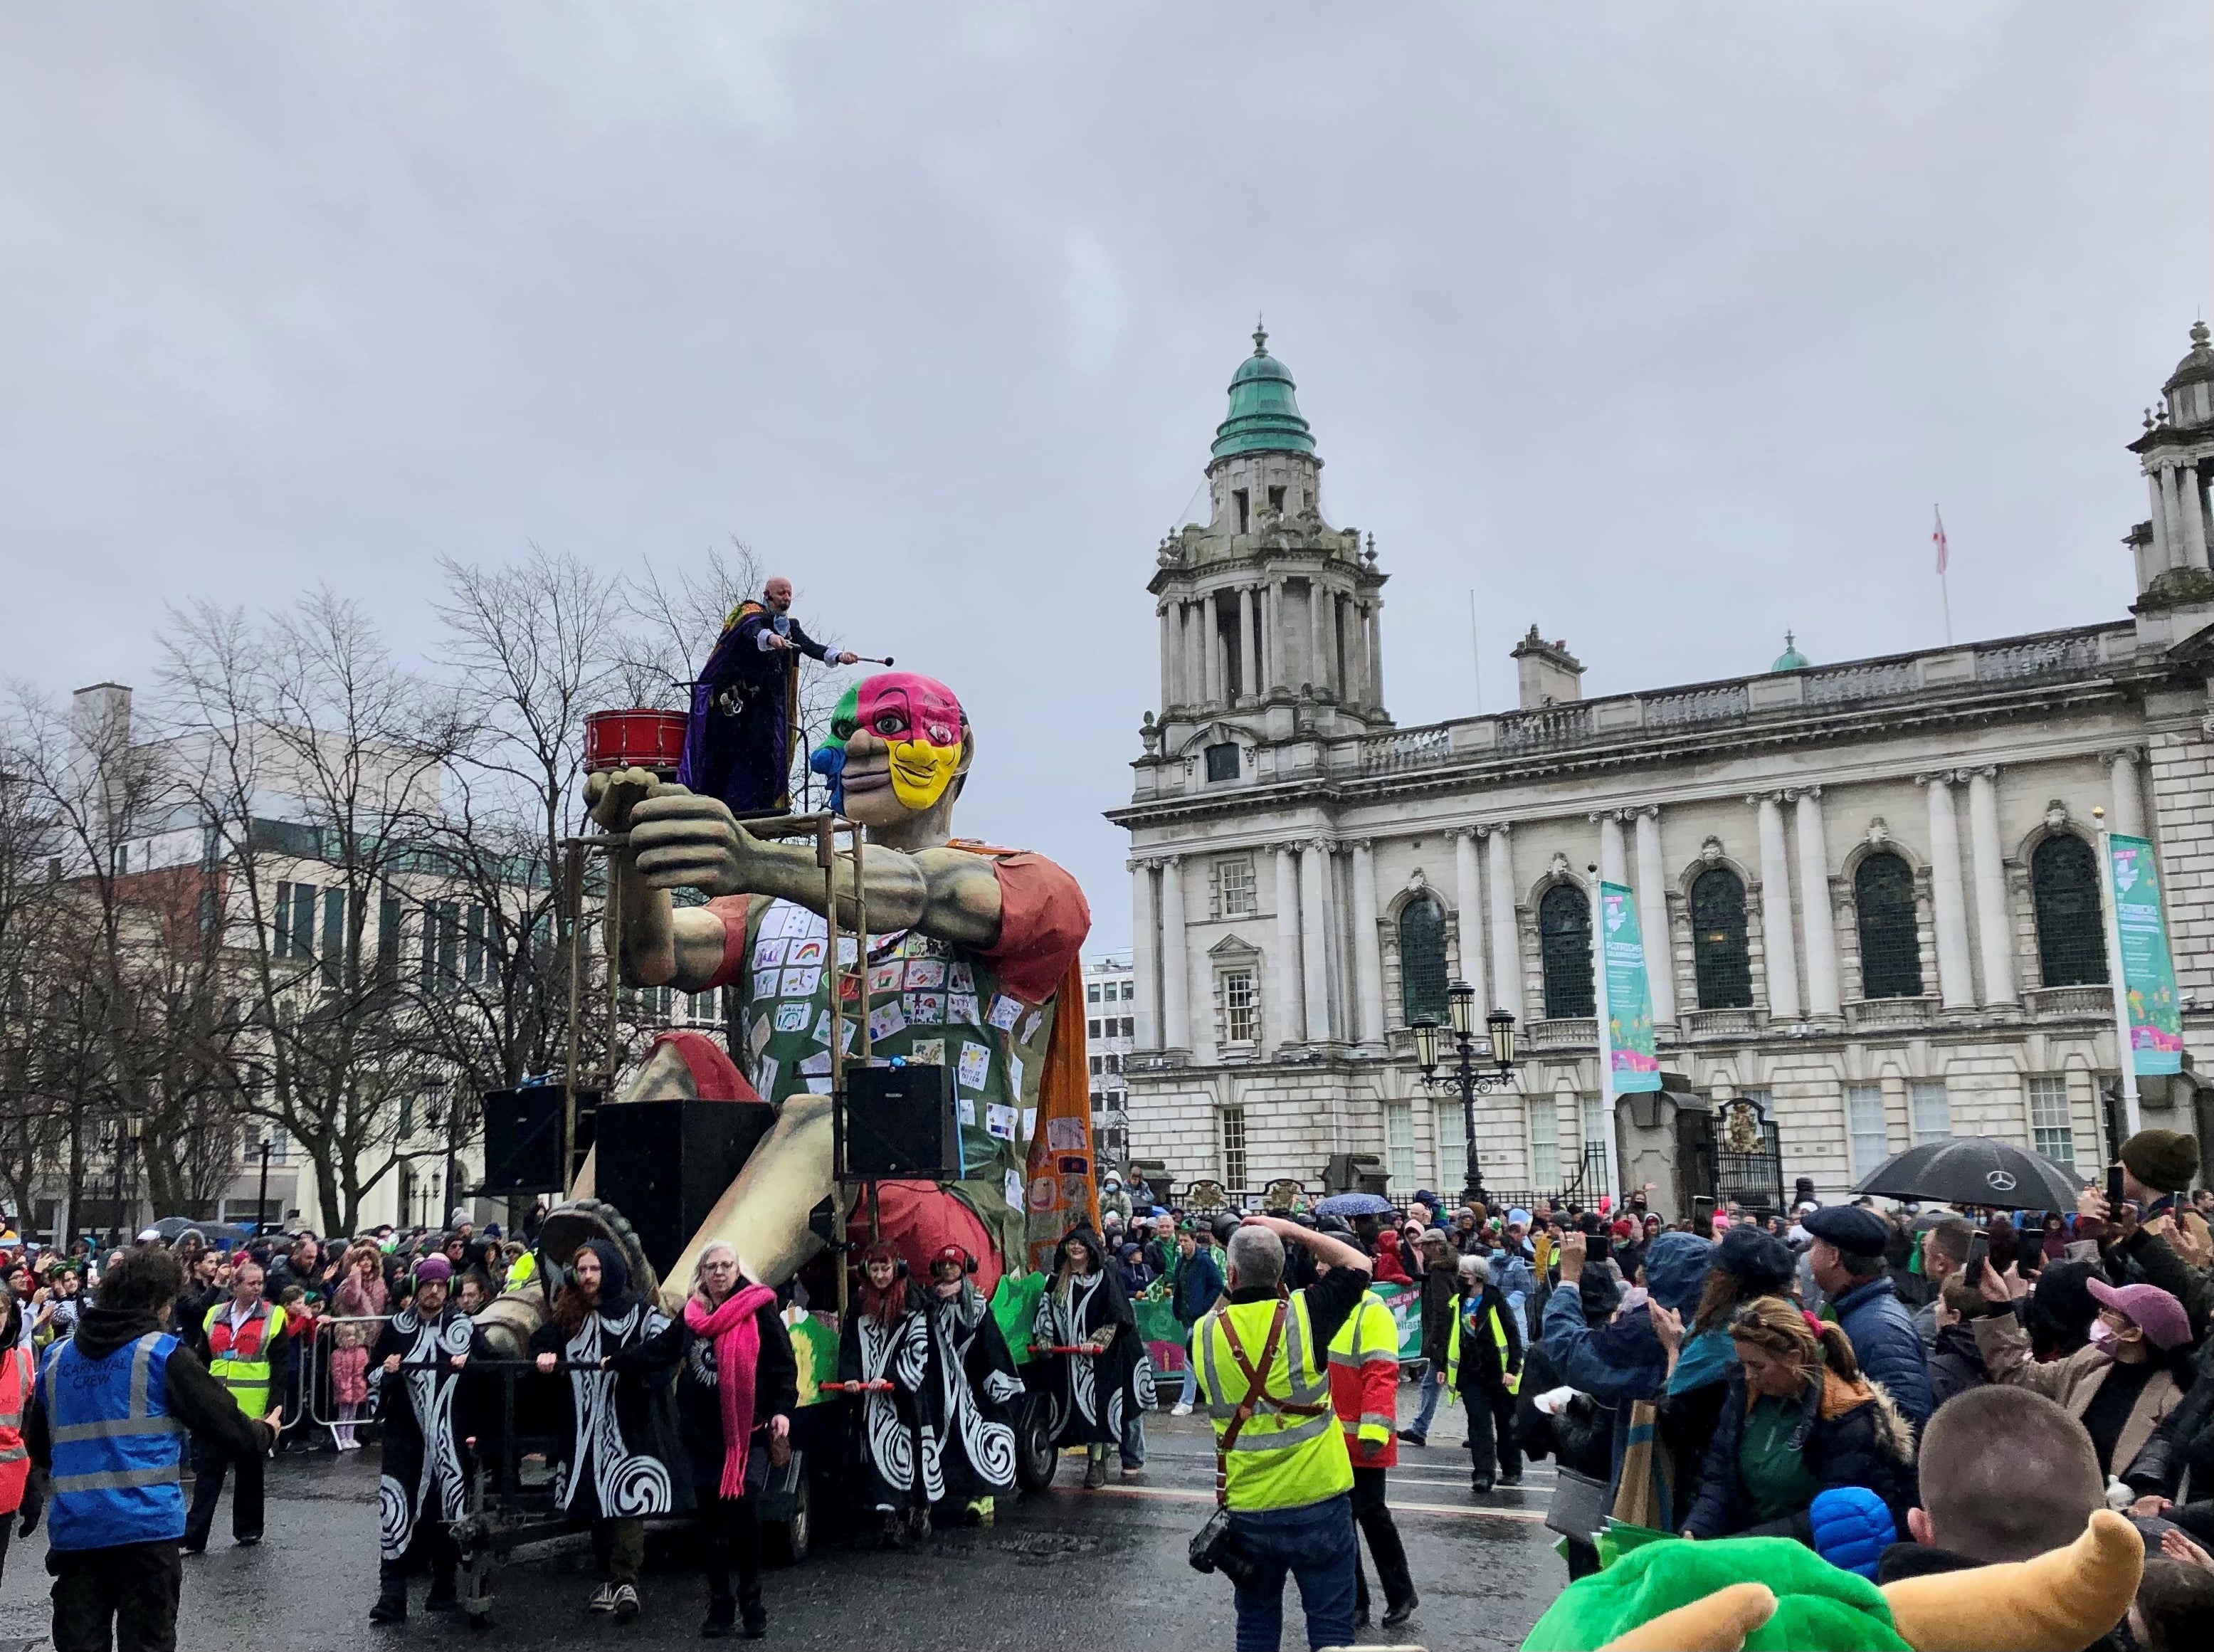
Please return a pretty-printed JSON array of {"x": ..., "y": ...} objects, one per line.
[
  {"x": 679, "y": 839},
  {"x": 611, "y": 796}
]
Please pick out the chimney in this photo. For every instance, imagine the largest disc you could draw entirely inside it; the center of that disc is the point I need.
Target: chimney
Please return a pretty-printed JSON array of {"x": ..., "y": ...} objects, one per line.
[
  {"x": 1545, "y": 673},
  {"x": 99, "y": 719}
]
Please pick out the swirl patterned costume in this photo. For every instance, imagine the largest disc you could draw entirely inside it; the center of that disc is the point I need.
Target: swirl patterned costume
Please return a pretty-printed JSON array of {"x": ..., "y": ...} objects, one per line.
[
  {"x": 621, "y": 1459},
  {"x": 1093, "y": 1396},
  {"x": 975, "y": 1382},
  {"x": 901, "y": 1431},
  {"x": 424, "y": 1484}
]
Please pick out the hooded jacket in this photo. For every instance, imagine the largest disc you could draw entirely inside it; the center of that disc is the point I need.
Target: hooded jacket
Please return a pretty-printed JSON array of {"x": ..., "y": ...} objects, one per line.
[{"x": 197, "y": 1399}]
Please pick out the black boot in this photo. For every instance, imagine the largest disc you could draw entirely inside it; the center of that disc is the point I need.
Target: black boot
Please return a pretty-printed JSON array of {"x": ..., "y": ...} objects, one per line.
[
  {"x": 722, "y": 1613},
  {"x": 753, "y": 1616},
  {"x": 441, "y": 1597},
  {"x": 390, "y": 1609}
]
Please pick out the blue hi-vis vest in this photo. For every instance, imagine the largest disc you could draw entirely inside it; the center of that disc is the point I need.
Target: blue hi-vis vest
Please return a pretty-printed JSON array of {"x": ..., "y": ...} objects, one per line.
[{"x": 118, "y": 1454}]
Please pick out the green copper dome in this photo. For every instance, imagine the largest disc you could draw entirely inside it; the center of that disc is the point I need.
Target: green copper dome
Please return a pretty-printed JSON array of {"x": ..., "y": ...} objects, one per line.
[
  {"x": 1790, "y": 659},
  {"x": 1264, "y": 414}
]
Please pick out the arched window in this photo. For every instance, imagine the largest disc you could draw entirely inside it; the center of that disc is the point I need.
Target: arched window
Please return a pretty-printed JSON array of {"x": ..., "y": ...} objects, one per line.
[
  {"x": 1422, "y": 960},
  {"x": 1564, "y": 951},
  {"x": 2071, "y": 940},
  {"x": 1891, "y": 950},
  {"x": 1718, "y": 951}
]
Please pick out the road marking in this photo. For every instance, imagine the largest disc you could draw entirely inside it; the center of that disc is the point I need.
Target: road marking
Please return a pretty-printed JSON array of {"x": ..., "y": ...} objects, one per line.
[{"x": 1528, "y": 1516}]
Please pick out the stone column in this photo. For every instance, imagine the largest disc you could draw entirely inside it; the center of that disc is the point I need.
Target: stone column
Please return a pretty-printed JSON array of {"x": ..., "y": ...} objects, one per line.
[
  {"x": 1273, "y": 656},
  {"x": 1290, "y": 1005},
  {"x": 1170, "y": 696},
  {"x": 1176, "y": 961},
  {"x": 1994, "y": 936},
  {"x": 1505, "y": 953},
  {"x": 1195, "y": 661},
  {"x": 1317, "y": 658},
  {"x": 1653, "y": 915},
  {"x": 1356, "y": 650},
  {"x": 1375, "y": 625},
  {"x": 1954, "y": 984},
  {"x": 1469, "y": 923},
  {"x": 2171, "y": 513},
  {"x": 1775, "y": 912},
  {"x": 1613, "y": 863},
  {"x": 1249, "y": 654},
  {"x": 1367, "y": 946},
  {"x": 1218, "y": 674},
  {"x": 1314, "y": 935},
  {"x": 1145, "y": 959},
  {"x": 2190, "y": 500},
  {"x": 2128, "y": 793},
  {"x": 1822, "y": 997},
  {"x": 2163, "y": 543}
]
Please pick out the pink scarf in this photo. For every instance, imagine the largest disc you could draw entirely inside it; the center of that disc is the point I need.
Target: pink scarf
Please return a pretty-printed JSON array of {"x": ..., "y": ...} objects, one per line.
[{"x": 737, "y": 1353}]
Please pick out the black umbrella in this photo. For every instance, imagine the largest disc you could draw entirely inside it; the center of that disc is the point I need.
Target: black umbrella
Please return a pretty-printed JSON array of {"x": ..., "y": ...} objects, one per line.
[{"x": 1966, "y": 1170}]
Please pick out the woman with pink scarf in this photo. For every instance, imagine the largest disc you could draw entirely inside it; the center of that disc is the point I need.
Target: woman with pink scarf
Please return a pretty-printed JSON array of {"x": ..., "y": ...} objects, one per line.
[{"x": 735, "y": 1392}]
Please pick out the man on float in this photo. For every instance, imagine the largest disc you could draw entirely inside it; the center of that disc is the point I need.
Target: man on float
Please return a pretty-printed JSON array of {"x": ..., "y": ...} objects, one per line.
[
  {"x": 735, "y": 746},
  {"x": 970, "y": 948}
]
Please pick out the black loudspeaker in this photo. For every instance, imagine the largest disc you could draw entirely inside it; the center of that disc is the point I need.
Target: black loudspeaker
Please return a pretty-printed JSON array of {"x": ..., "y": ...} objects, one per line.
[
  {"x": 899, "y": 1124},
  {"x": 523, "y": 1139},
  {"x": 665, "y": 1163}
]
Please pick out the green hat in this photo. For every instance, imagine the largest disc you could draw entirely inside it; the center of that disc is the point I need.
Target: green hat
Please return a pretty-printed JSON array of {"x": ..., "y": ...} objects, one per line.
[{"x": 2164, "y": 1159}]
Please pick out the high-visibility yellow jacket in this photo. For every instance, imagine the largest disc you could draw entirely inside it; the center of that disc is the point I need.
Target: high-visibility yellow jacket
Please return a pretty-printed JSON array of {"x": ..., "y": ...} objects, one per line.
[
  {"x": 1485, "y": 1310},
  {"x": 238, "y": 1359},
  {"x": 1291, "y": 1451}
]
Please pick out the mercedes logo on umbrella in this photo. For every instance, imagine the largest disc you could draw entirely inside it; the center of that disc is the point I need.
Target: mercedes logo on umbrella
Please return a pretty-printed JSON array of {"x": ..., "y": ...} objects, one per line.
[{"x": 2000, "y": 1181}]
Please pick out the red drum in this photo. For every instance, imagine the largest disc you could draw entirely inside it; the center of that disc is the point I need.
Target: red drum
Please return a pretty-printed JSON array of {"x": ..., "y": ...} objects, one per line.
[{"x": 635, "y": 740}]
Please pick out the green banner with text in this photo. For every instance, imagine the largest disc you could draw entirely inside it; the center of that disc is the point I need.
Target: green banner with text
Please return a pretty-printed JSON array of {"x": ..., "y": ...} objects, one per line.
[
  {"x": 1635, "y": 1062},
  {"x": 2148, "y": 973}
]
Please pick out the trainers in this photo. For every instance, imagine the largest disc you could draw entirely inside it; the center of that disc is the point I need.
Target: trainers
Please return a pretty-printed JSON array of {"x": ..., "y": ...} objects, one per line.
[
  {"x": 1095, "y": 1473},
  {"x": 1514, "y": 1478},
  {"x": 1132, "y": 1470},
  {"x": 625, "y": 1600},
  {"x": 1397, "y": 1615},
  {"x": 1181, "y": 1408},
  {"x": 1414, "y": 1439},
  {"x": 1481, "y": 1485},
  {"x": 604, "y": 1599}
]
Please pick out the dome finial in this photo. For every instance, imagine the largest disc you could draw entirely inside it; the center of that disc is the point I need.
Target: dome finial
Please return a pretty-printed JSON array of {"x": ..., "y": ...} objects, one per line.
[
  {"x": 2199, "y": 334},
  {"x": 1261, "y": 337},
  {"x": 1790, "y": 659}
]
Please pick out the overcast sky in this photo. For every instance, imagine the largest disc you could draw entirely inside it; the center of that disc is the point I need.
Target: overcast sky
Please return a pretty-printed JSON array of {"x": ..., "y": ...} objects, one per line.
[{"x": 1660, "y": 325}]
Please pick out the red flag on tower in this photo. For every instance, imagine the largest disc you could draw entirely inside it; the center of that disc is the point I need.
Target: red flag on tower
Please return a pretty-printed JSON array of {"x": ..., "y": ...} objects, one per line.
[{"x": 1937, "y": 537}]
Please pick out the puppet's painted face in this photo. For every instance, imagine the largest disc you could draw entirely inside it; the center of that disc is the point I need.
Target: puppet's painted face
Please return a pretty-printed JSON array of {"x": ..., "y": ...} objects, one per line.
[{"x": 898, "y": 732}]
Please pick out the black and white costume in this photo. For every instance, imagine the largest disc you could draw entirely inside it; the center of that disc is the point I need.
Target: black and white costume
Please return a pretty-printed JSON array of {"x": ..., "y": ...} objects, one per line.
[
  {"x": 975, "y": 1381},
  {"x": 901, "y": 1431},
  {"x": 423, "y": 1481},
  {"x": 622, "y": 1454},
  {"x": 1092, "y": 1394}
]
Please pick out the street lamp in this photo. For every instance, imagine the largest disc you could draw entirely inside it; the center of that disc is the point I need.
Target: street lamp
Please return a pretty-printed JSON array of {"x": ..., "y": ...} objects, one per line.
[
  {"x": 1465, "y": 1074},
  {"x": 438, "y": 1115}
]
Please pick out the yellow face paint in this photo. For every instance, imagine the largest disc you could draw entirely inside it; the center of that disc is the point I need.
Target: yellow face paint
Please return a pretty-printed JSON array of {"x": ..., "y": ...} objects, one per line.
[
  {"x": 920, "y": 722},
  {"x": 921, "y": 771}
]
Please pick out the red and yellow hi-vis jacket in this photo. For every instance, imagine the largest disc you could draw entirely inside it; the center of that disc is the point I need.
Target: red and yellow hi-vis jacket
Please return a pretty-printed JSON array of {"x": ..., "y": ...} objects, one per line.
[{"x": 1364, "y": 1383}]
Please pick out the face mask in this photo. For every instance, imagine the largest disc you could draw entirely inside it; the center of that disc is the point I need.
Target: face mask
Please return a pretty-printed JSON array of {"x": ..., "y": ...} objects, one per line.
[{"x": 2103, "y": 1337}]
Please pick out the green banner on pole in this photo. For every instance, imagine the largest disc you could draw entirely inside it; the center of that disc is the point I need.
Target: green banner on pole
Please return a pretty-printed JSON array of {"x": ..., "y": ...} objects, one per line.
[
  {"x": 2148, "y": 973},
  {"x": 1636, "y": 1061}
]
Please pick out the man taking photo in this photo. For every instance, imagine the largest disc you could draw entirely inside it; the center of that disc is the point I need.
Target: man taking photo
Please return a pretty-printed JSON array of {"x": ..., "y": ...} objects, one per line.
[{"x": 1265, "y": 1373}]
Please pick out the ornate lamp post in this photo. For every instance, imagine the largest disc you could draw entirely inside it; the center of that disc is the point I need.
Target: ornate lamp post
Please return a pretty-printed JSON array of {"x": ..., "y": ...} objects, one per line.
[{"x": 1465, "y": 1074}]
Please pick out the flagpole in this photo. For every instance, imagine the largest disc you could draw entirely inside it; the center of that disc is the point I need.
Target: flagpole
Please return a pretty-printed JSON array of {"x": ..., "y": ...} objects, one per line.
[
  {"x": 2110, "y": 920},
  {"x": 1944, "y": 591}
]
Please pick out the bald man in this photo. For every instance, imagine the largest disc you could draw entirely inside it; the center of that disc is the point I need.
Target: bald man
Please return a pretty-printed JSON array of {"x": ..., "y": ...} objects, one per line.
[{"x": 735, "y": 747}]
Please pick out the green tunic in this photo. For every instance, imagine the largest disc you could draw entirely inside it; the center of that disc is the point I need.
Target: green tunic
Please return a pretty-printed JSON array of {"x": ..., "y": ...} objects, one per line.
[
  {"x": 929, "y": 1002},
  {"x": 1776, "y": 1480}
]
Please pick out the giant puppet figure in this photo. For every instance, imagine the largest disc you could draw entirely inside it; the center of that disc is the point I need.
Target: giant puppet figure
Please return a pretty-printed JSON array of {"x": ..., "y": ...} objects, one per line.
[{"x": 971, "y": 952}]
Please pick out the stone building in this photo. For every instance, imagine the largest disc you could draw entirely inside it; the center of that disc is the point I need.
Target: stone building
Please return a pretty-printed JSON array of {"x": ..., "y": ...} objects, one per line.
[{"x": 1875, "y": 879}]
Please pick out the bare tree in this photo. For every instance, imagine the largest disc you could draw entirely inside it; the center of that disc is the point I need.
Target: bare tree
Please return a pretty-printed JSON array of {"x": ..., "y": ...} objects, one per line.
[{"x": 315, "y": 760}]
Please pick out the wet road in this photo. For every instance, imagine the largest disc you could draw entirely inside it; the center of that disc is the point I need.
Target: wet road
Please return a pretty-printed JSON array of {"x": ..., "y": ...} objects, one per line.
[{"x": 1104, "y": 1569}]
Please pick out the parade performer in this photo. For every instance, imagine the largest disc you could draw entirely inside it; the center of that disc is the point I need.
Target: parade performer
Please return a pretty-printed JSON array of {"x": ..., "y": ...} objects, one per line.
[
  {"x": 887, "y": 1339},
  {"x": 973, "y": 951},
  {"x": 735, "y": 746},
  {"x": 1364, "y": 1392},
  {"x": 416, "y": 1368},
  {"x": 976, "y": 1379},
  {"x": 250, "y": 1353},
  {"x": 735, "y": 1392},
  {"x": 620, "y": 1433},
  {"x": 1097, "y": 1393},
  {"x": 103, "y": 1428}
]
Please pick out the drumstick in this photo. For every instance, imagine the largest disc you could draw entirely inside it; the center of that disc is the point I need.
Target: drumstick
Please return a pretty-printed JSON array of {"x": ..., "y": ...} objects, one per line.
[{"x": 870, "y": 660}]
